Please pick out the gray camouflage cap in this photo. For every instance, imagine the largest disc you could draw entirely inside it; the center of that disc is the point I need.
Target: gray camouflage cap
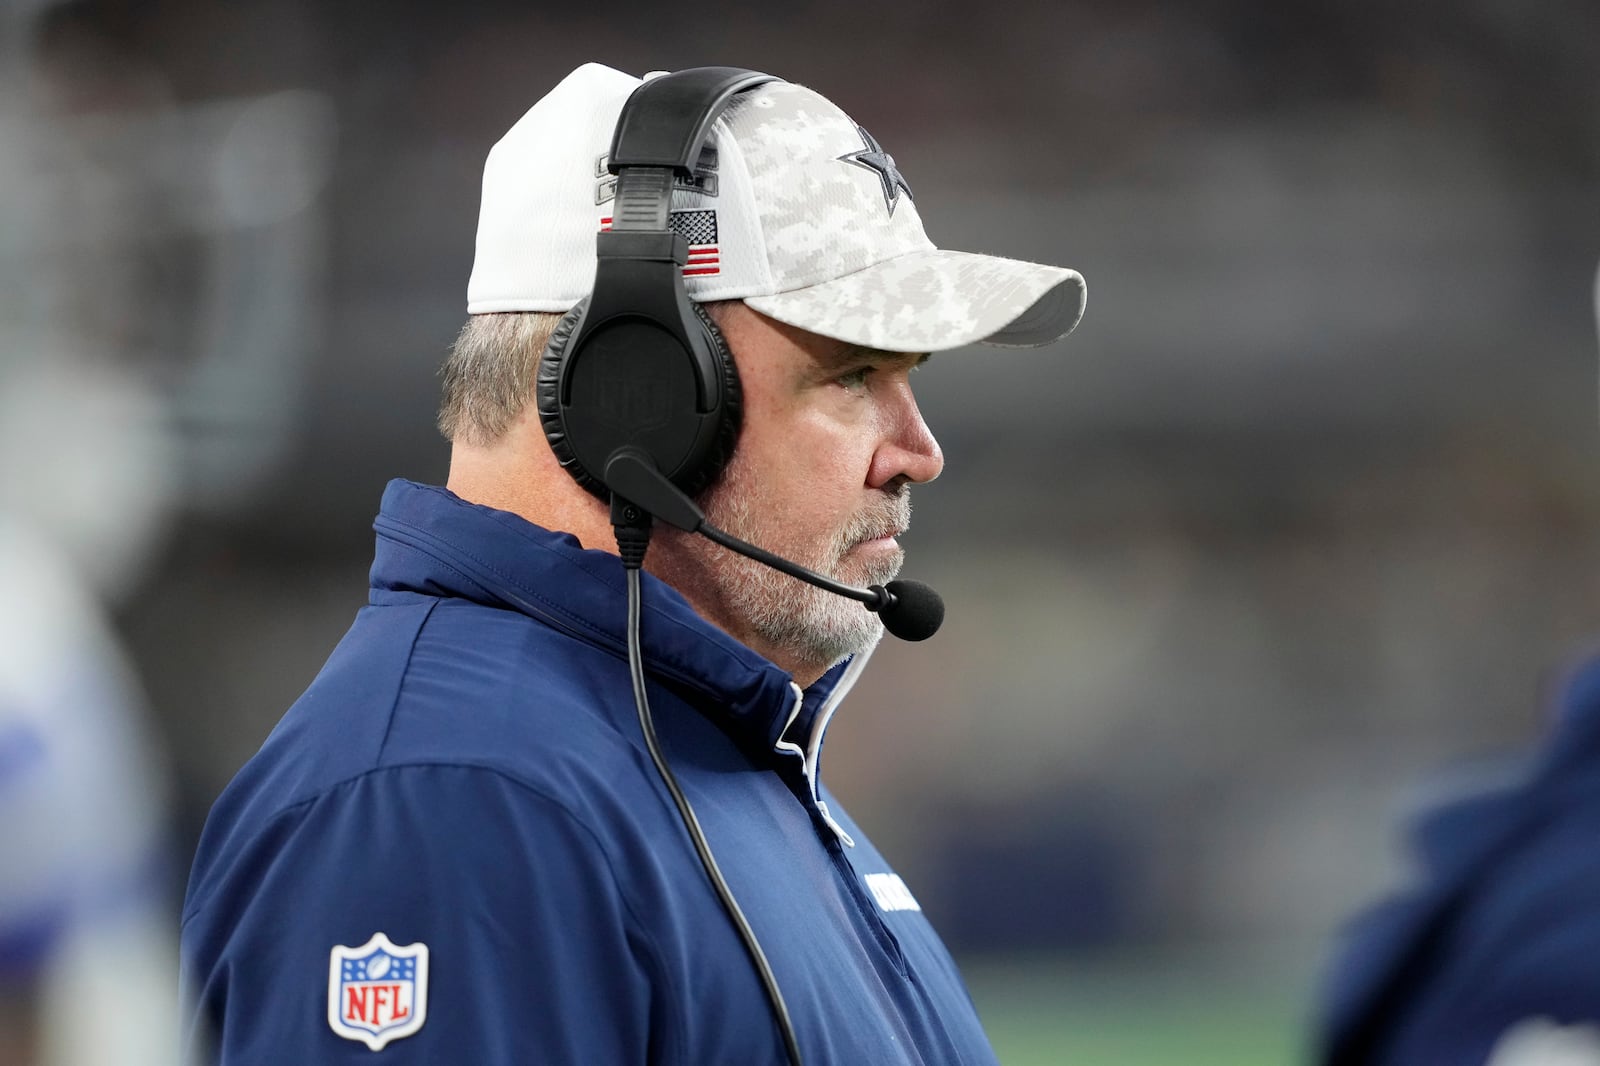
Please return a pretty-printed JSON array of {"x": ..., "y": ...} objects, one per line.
[{"x": 793, "y": 208}]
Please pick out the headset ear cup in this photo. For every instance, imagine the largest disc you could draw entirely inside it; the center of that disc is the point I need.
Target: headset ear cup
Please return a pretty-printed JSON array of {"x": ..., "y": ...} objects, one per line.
[
  {"x": 732, "y": 420},
  {"x": 547, "y": 393}
]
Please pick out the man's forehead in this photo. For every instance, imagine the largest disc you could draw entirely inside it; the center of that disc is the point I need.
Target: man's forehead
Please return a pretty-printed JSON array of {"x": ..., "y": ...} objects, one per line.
[
  {"x": 824, "y": 352},
  {"x": 840, "y": 353}
]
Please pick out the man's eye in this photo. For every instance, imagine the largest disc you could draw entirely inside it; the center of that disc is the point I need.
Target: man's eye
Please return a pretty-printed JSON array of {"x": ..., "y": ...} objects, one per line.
[{"x": 855, "y": 379}]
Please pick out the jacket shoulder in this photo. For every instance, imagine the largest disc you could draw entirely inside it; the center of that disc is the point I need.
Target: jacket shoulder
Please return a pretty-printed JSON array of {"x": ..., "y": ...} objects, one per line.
[{"x": 506, "y": 887}]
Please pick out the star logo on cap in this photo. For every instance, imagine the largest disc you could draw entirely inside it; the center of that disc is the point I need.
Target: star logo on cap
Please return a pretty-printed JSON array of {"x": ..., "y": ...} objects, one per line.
[{"x": 881, "y": 163}]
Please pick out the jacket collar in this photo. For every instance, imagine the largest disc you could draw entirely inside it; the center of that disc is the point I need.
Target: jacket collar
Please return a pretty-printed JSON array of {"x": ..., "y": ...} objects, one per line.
[{"x": 431, "y": 541}]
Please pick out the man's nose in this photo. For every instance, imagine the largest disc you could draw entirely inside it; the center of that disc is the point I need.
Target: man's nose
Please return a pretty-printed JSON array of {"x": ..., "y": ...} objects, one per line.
[{"x": 909, "y": 451}]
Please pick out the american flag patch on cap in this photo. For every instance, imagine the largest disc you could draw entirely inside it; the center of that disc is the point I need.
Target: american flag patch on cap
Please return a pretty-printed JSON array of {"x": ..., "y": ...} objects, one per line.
[{"x": 699, "y": 228}]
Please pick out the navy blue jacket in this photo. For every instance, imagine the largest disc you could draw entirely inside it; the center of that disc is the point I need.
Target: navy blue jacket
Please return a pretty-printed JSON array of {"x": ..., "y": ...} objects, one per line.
[
  {"x": 467, "y": 773},
  {"x": 1494, "y": 954}
]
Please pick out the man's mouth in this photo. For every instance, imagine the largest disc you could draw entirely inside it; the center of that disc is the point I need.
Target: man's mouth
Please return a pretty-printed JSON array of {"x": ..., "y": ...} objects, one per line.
[
  {"x": 886, "y": 537},
  {"x": 878, "y": 530}
]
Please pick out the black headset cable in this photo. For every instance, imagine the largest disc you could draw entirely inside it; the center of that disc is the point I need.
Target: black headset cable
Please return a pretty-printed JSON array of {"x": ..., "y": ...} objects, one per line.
[{"x": 633, "y": 538}]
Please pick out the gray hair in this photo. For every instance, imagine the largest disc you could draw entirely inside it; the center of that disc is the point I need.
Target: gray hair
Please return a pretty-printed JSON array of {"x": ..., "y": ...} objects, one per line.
[{"x": 489, "y": 374}]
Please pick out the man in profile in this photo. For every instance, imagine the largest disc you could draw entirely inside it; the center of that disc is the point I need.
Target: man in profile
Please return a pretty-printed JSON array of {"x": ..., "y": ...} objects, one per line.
[{"x": 455, "y": 848}]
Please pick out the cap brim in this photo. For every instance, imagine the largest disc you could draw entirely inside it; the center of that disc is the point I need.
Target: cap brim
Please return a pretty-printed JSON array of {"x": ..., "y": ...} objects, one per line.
[{"x": 935, "y": 300}]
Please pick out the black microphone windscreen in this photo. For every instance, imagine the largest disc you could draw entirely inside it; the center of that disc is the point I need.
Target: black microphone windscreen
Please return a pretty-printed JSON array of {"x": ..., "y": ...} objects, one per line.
[{"x": 918, "y": 611}]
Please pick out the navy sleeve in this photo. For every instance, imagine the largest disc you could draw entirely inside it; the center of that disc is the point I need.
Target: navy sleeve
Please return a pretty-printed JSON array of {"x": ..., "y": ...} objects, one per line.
[
  {"x": 1512, "y": 975},
  {"x": 532, "y": 953}
]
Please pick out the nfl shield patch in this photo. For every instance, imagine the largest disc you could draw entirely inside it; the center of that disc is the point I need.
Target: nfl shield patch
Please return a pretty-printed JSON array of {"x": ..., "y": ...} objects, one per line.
[{"x": 378, "y": 992}]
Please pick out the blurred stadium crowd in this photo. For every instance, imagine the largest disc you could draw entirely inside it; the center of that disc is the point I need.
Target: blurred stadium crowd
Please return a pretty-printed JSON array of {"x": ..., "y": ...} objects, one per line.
[{"x": 1281, "y": 543}]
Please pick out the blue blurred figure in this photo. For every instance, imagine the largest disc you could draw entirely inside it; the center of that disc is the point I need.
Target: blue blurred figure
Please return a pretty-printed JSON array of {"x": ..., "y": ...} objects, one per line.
[
  {"x": 88, "y": 939},
  {"x": 1492, "y": 956},
  {"x": 86, "y": 930}
]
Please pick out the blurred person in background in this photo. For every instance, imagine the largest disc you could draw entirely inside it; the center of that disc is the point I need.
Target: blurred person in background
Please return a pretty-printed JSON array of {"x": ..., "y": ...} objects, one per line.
[
  {"x": 87, "y": 931},
  {"x": 454, "y": 847},
  {"x": 1489, "y": 958}
]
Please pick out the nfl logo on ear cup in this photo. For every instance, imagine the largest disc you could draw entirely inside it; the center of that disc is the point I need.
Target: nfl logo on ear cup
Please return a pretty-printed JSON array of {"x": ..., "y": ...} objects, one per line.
[{"x": 633, "y": 383}]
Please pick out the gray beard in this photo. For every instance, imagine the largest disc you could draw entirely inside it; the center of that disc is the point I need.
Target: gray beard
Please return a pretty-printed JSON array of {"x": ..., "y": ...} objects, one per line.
[{"x": 815, "y": 625}]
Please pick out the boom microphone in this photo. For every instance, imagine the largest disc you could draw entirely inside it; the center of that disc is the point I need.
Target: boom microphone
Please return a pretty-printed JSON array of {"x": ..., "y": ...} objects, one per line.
[
  {"x": 909, "y": 609},
  {"x": 914, "y": 611}
]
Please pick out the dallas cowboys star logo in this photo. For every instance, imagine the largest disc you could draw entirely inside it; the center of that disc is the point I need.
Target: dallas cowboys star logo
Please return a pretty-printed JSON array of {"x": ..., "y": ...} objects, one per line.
[{"x": 881, "y": 163}]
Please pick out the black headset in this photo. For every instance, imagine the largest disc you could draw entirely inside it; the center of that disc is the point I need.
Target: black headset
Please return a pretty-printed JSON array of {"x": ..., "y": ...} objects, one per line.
[
  {"x": 638, "y": 371},
  {"x": 637, "y": 365}
]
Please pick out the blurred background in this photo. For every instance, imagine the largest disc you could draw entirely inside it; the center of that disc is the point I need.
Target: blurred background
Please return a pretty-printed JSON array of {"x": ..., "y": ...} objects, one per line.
[{"x": 1286, "y": 540}]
